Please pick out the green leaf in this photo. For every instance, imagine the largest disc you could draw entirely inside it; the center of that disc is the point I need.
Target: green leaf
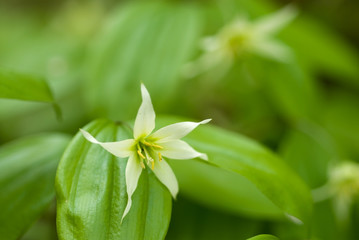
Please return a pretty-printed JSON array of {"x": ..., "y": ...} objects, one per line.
[
  {"x": 91, "y": 192},
  {"x": 142, "y": 42},
  {"x": 27, "y": 174},
  {"x": 309, "y": 150},
  {"x": 194, "y": 222},
  {"x": 290, "y": 88},
  {"x": 331, "y": 53},
  {"x": 340, "y": 117},
  {"x": 238, "y": 154},
  {"x": 263, "y": 237},
  {"x": 24, "y": 87},
  {"x": 208, "y": 185}
]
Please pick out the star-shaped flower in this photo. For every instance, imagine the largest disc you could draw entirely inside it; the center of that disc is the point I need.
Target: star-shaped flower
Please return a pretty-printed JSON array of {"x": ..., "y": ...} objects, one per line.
[
  {"x": 243, "y": 37},
  {"x": 147, "y": 148}
]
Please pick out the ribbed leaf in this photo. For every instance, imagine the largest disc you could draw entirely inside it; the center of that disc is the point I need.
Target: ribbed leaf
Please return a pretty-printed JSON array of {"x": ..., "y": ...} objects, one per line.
[
  {"x": 91, "y": 192},
  {"x": 27, "y": 174},
  {"x": 238, "y": 154},
  {"x": 142, "y": 42}
]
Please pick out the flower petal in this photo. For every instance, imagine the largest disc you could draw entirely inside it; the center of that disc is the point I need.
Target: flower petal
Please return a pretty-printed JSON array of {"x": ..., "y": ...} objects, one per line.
[
  {"x": 272, "y": 49},
  {"x": 133, "y": 172},
  {"x": 272, "y": 23},
  {"x": 119, "y": 149},
  {"x": 145, "y": 119},
  {"x": 178, "y": 149},
  {"x": 165, "y": 174},
  {"x": 176, "y": 131}
]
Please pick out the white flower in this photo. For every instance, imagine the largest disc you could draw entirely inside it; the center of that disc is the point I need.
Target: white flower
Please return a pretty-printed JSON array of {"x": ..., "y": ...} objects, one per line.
[
  {"x": 344, "y": 187},
  {"x": 149, "y": 149},
  {"x": 242, "y": 37}
]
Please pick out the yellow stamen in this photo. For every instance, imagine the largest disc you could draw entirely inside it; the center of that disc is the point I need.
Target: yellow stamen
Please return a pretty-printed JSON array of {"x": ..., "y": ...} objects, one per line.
[
  {"x": 157, "y": 146},
  {"x": 152, "y": 145},
  {"x": 148, "y": 156},
  {"x": 153, "y": 165},
  {"x": 142, "y": 165},
  {"x": 147, "y": 143},
  {"x": 140, "y": 154},
  {"x": 160, "y": 156}
]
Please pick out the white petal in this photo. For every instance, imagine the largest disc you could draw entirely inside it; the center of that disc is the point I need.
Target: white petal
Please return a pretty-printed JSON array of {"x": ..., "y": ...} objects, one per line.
[
  {"x": 274, "y": 22},
  {"x": 133, "y": 172},
  {"x": 119, "y": 149},
  {"x": 273, "y": 50},
  {"x": 216, "y": 63},
  {"x": 178, "y": 149},
  {"x": 176, "y": 131},
  {"x": 165, "y": 174},
  {"x": 210, "y": 44},
  {"x": 145, "y": 119}
]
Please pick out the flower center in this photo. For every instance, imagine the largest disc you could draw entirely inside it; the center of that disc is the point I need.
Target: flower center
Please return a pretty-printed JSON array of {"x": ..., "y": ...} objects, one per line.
[{"x": 147, "y": 152}]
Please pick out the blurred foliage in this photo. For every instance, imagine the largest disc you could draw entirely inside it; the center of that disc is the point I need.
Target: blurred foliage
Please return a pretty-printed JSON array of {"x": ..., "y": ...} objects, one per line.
[
  {"x": 93, "y": 55},
  {"x": 27, "y": 180}
]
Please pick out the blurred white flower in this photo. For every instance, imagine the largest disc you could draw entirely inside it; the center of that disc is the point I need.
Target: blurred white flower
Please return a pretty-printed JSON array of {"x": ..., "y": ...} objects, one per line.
[
  {"x": 344, "y": 186},
  {"x": 147, "y": 148},
  {"x": 242, "y": 37}
]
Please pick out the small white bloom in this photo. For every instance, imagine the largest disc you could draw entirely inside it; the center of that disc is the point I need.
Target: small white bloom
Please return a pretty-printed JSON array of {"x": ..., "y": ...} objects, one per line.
[
  {"x": 344, "y": 187},
  {"x": 147, "y": 148},
  {"x": 242, "y": 37}
]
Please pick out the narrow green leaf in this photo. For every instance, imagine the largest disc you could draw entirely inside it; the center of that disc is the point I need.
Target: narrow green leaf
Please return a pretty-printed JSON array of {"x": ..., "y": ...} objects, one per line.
[
  {"x": 309, "y": 150},
  {"x": 142, "y": 42},
  {"x": 263, "y": 237},
  {"x": 24, "y": 87},
  {"x": 340, "y": 117},
  {"x": 238, "y": 154},
  {"x": 333, "y": 54},
  {"x": 27, "y": 174},
  {"x": 290, "y": 88},
  {"x": 91, "y": 192}
]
